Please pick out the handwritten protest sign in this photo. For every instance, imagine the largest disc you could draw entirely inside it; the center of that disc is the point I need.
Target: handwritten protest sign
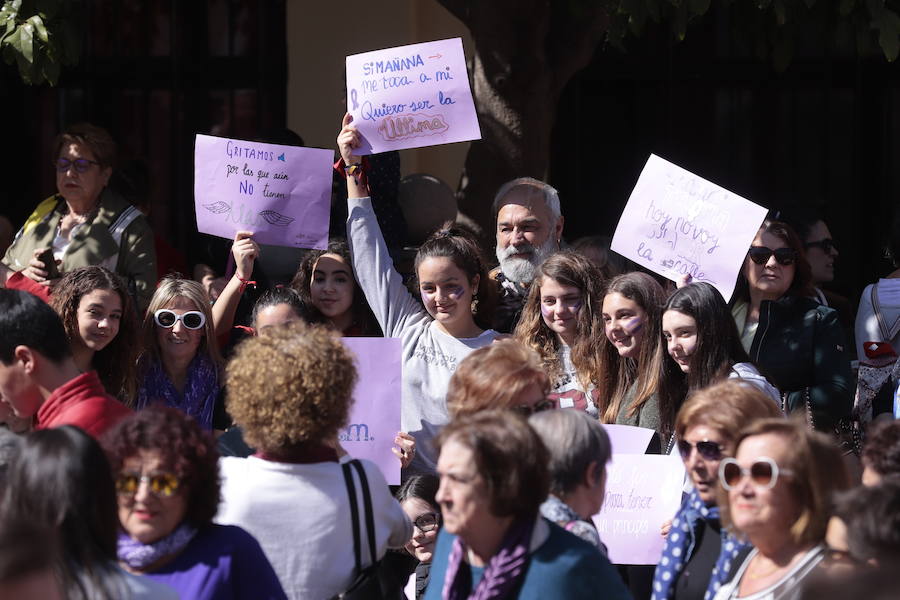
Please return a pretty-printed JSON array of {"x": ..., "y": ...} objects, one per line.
[
  {"x": 677, "y": 223},
  {"x": 375, "y": 417},
  {"x": 642, "y": 491},
  {"x": 627, "y": 439},
  {"x": 411, "y": 96},
  {"x": 280, "y": 193}
]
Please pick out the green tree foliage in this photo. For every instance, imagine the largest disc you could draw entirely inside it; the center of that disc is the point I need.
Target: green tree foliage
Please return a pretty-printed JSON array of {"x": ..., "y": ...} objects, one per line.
[
  {"x": 40, "y": 36},
  {"x": 770, "y": 25}
]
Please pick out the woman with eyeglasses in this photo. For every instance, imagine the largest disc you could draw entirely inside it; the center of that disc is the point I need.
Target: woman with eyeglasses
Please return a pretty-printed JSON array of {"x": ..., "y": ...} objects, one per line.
[
  {"x": 101, "y": 324},
  {"x": 699, "y": 552},
  {"x": 776, "y": 494},
  {"x": 504, "y": 375},
  {"x": 84, "y": 223},
  {"x": 703, "y": 347},
  {"x": 416, "y": 498},
  {"x": 180, "y": 365},
  {"x": 561, "y": 321},
  {"x": 167, "y": 485},
  {"x": 796, "y": 342},
  {"x": 60, "y": 480}
]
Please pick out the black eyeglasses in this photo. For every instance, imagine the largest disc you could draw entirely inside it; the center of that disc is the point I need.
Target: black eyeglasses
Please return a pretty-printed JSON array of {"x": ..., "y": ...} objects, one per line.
[
  {"x": 761, "y": 255},
  {"x": 827, "y": 245},
  {"x": 81, "y": 164},
  {"x": 706, "y": 449},
  {"x": 427, "y": 522},
  {"x": 529, "y": 409}
]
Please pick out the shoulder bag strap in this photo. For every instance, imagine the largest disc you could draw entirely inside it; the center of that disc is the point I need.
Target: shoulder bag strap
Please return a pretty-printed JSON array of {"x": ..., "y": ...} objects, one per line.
[
  {"x": 354, "y": 512},
  {"x": 367, "y": 500}
]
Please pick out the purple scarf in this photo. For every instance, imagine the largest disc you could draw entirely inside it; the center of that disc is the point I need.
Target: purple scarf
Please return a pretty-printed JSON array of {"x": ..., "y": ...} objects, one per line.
[
  {"x": 138, "y": 555},
  {"x": 504, "y": 572},
  {"x": 200, "y": 390}
]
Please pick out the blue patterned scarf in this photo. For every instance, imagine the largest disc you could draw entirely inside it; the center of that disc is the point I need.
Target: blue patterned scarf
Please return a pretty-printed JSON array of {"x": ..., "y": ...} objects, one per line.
[
  {"x": 200, "y": 390},
  {"x": 680, "y": 546},
  {"x": 138, "y": 555}
]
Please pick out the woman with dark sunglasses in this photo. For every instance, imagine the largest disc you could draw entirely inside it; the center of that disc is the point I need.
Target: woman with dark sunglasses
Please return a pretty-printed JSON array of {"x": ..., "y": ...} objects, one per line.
[
  {"x": 775, "y": 493},
  {"x": 180, "y": 366},
  {"x": 85, "y": 222},
  {"x": 561, "y": 321},
  {"x": 698, "y": 551},
  {"x": 794, "y": 340},
  {"x": 167, "y": 488}
]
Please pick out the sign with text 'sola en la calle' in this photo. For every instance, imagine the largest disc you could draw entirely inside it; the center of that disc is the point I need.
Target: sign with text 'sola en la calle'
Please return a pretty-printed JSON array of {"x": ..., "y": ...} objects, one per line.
[
  {"x": 280, "y": 193},
  {"x": 677, "y": 223},
  {"x": 411, "y": 96},
  {"x": 375, "y": 415}
]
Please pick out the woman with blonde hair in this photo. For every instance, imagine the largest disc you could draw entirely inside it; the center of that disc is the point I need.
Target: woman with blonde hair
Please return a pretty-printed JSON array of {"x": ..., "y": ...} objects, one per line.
[
  {"x": 561, "y": 321},
  {"x": 505, "y": 374},
  {"x": 180, "y": 366}
]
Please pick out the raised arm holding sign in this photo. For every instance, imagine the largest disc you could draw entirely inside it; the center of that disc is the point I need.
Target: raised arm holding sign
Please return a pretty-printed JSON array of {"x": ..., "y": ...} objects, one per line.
[{"x": 677, "y": 223}]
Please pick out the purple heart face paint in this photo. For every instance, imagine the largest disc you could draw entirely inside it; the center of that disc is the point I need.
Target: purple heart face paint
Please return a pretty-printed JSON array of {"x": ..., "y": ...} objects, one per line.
[
  {"x": 624, "y": 320},
  {"x": 446, "y": 292},
  {"x": 560, "y": 305}
]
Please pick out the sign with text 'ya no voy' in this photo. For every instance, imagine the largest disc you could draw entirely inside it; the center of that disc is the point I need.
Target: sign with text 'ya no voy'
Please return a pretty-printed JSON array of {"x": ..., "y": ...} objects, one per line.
[
  {"x": 677, "y": 223},
  {"x": 280, "y": 193},
  {"x": 411, "y": 96},
  {"x": 375, "y": 416}
]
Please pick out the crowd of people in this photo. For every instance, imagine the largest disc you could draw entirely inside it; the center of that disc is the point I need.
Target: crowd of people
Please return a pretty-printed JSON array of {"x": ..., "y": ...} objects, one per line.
[{"x": 168, "y": 437}]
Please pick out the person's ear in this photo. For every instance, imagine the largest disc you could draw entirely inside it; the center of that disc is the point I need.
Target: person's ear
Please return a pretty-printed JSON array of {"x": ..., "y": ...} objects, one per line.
[
  {"x": 27, "y": 358},
  {"x": 558, "y": 229},
  {"x": 592, "y": 474},
  {"x": 475, "y": 281}
]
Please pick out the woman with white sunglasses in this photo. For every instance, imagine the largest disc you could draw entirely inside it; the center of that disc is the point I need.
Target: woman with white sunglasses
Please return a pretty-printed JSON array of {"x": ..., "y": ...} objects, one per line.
[
  {"x": 775, "y": 492},
  {"x": 181, "y": 365}
]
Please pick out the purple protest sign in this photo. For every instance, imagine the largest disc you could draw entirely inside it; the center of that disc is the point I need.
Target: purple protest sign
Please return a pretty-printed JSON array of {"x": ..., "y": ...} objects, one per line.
[
  {"x": 280, "y": 193},
  {"x": 411, "y": 96},
  {"x": 375, "y": 416},
  {"x": 677, "y": 223},
  {"x": 627, "y": 439},
  {"x": 642, "y": 491}
]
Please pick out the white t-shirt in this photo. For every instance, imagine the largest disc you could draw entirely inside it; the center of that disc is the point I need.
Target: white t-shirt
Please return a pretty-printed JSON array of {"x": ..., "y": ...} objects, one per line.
[
  {"x": 867, "y": 329},
  {"x": 787, "y": 588},
  {"x": 300, "y": 515}
]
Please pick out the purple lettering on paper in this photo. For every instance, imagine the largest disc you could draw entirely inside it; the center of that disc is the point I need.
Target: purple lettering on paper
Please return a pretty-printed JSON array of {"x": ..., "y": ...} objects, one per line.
[
  {"x": 280, "y": 193},
  {"x": 411, "y": 96},
  {"x": 375, "y": 415}
]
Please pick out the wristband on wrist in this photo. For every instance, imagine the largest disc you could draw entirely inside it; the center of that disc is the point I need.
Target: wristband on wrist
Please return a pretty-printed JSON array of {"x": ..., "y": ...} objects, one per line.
[{"x": 245, "y": 283}]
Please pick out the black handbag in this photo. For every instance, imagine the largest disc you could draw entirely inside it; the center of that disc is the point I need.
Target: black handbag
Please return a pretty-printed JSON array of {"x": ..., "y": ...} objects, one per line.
[{"x": 368, "y": 582}]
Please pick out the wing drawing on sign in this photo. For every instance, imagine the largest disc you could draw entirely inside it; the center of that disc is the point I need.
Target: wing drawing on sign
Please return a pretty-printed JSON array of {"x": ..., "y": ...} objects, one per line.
[
  {"x": 276, "y": 218},
  {"x": 218, "y": 207}
]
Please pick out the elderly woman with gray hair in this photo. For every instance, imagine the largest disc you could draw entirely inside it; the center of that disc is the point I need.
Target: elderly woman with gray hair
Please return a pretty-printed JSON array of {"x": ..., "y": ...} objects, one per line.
[{"x": 579, "y": 450}]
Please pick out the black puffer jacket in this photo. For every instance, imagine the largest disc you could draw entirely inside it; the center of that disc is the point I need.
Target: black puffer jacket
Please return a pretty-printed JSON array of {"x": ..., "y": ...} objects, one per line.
[{"x": 799, "y": 346}]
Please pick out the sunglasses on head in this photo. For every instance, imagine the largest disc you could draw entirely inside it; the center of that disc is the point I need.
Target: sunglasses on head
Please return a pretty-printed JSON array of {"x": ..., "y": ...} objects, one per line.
[
  {"x": 427, "y": 522},
  {"x": 761, "y": 255},
  {"x": 192, "y": 319},
  {"x": 159, "y": 484},
  {"x": 827, "y": 245},
  {"x": 81, "y": 164},
  {"x": 528, "y": 410},
  {"x": 706, "y": 449},
  {"x": 763, "y": 472}
]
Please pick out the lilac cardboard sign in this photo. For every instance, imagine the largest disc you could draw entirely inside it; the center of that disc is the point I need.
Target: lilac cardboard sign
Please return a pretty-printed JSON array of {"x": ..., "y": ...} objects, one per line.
[
  {"x": 677, "y": 223},
  {"x": 375, "y": 416},
  {"x": 411, "y": 96},
  {"x": 280, "y": 193},
  {"x": 642, "y": 491},
  {"x": 627, "y": 439}
]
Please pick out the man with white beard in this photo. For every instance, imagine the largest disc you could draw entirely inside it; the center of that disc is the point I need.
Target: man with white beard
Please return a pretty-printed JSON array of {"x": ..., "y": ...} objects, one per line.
[{"x": 529, "y": 229}]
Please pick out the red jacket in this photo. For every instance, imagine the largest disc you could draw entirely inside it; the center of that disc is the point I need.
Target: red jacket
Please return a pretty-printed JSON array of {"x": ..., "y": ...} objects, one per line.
[{"x": 83, "y": 402}]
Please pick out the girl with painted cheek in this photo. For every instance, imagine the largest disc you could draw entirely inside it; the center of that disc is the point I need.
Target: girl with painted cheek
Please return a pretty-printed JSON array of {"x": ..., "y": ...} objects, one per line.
[
  {"x": 561, "y": 321},
  {"x": 631, "y": 353},
  {"x": 456, "y": 293},
  {"x": 326, "y": 283},
  {"x": 181, "y": 364},
  {"x": 99, "y": 319},
  {"x": 703, "y": 347}
]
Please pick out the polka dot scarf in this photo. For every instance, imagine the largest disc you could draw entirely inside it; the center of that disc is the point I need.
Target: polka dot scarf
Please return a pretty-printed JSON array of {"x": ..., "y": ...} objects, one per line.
[{"x": 680, "y": 546}]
